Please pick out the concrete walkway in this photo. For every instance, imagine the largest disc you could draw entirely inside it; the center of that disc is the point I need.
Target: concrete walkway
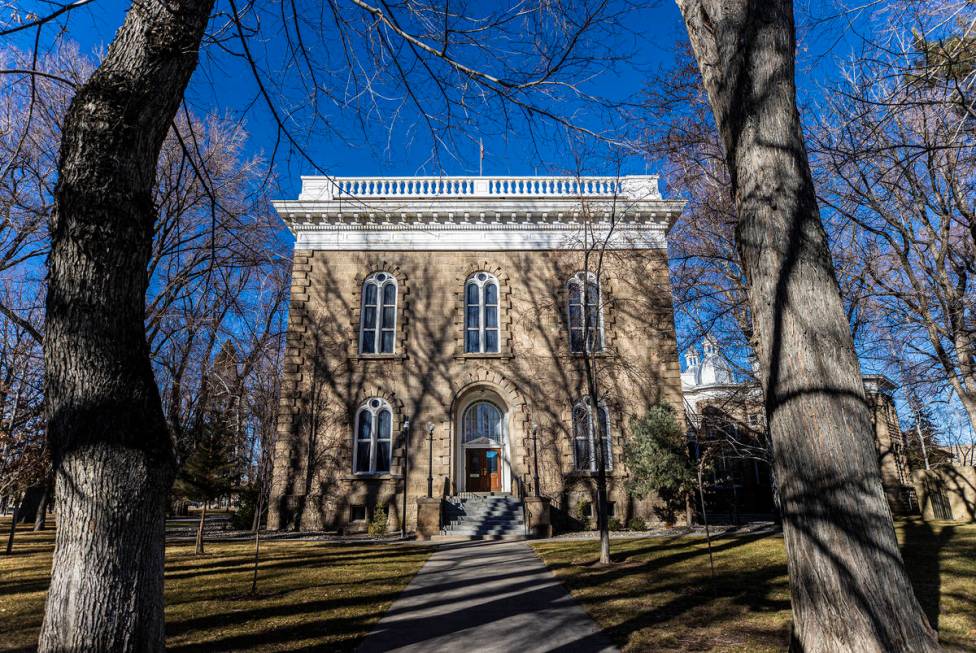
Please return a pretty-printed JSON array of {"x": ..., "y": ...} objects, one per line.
[{"x": 485, "y": 596}]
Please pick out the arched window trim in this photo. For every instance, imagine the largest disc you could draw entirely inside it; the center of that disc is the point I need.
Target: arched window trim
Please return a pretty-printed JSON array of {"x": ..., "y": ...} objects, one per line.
[
  {"x": 484, "y": 308},
  {"x": 588, "y": 438},
  {"x": 374, "y": 335},
  {"x": 595, "y": 344},
  {"x": 372, "y": 447}
]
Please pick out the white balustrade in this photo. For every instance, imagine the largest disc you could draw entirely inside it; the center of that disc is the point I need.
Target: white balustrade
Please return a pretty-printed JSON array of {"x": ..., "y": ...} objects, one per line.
[{"x": 630, "y": 187}]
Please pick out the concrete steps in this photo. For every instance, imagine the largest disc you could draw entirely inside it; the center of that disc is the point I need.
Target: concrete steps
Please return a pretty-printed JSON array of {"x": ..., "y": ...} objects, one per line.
[{"x": 483, "y": 517}]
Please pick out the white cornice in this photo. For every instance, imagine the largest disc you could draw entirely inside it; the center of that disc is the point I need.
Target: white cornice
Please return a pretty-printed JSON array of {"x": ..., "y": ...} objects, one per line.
[
  {"x": 476, "y": 221},
  {"x": 486, "y": 237}
]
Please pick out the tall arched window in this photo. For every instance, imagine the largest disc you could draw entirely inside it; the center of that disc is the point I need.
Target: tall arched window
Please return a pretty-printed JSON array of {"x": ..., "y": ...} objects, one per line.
[
  {"x": 481, "y": 314},
  {"x": 584, "y": 436},
  {"x": 585, "y": 313},
  {"x": 374, "y": 437},
  {"x": 377, "y": 329}
]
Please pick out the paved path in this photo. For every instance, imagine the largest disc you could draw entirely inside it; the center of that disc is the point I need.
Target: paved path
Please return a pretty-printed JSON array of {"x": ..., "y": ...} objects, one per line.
[{"x": 485, "y": 596}]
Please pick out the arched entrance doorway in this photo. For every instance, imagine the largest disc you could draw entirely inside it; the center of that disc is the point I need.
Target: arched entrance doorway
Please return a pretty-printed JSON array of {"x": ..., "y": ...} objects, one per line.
[{"x": 483, "y": 443}]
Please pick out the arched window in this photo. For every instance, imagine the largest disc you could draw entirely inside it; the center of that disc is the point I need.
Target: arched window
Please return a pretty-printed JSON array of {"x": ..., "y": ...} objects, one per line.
[
  {"x": 374, "y": 437},
  {"x": 585, "y": 313},
  {"x": 584, "y": 436},
  {"x": 481, "y": 314},
  {"x": 377, "y": 329},
  {"x": 483, "y": 424}
]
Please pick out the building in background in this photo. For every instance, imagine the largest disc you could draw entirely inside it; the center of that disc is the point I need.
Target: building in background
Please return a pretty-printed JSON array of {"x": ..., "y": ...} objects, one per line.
[{"x": 720, "y": 409}]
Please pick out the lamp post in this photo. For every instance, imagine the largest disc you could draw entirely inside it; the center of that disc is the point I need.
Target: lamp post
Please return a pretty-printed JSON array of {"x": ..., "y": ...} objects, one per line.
[
  {"x": 430, "y": 460},
  {"x": 406, "y": 470},
  {"x": 535, "y": 458}
]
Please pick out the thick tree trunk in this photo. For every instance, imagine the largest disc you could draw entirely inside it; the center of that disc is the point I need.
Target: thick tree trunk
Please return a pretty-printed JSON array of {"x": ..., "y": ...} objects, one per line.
[
  {"x": 31, "y": 502},
  {"x": 40, "y": 520},
  {"x": 849, "y": 588},
  {"x": 112, "y": 452}
]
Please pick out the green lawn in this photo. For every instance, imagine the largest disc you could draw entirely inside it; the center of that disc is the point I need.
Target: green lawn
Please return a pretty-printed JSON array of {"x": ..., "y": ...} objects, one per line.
[
  {"x": 311, "y": 595},
  {"x": 657, "y": 596}
]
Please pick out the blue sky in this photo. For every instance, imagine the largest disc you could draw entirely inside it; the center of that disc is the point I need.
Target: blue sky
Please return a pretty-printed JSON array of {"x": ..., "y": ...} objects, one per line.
[{"x": 225, "y": 84}]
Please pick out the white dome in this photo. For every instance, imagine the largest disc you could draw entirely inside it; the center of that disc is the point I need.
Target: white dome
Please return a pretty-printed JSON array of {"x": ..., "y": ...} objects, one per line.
[{"x": 712, "y": 370}]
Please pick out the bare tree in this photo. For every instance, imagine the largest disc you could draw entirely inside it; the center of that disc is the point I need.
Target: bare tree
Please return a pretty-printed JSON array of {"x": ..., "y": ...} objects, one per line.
[
  {"x": 24, "y": 463},
  {"x": 214, "y": 251},
  {"x": 709, "y": 284},
  {"x": 30, "y": 117},
  {"x": 848, "y": 583},
  {"x": 216, "y": 270},
  {"x": 107, "y": 431},
  {"x": 896, "y": 152},
  {"x": 587, "y": 298},
  {"x": 107, "y": 426}
]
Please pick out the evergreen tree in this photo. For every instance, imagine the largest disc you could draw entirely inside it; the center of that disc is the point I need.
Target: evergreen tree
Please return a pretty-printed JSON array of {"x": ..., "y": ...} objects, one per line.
[
  {"x": 657, "y": 457},
  {"x": 208, "y": 472}
]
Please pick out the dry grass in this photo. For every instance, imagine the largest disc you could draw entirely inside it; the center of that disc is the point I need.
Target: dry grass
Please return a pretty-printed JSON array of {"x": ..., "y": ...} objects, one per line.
[
  {"x": 311, "y": 595},
  {"x": 657, "y": 596}
]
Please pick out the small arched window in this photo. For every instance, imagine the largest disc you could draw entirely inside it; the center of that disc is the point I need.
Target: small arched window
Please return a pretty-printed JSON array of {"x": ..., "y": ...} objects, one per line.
[
  {"x": 374, "y": 437},
  {"x": 585, "y": 313},
  {"x": 377, "y": 328},
  {"x": 481, "y": 314},
  {"x": 585, "y": 435}
]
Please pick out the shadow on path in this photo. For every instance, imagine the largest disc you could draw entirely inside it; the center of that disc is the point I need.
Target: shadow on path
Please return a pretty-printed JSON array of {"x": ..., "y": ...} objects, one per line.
[{"x": 486, "y": 596}]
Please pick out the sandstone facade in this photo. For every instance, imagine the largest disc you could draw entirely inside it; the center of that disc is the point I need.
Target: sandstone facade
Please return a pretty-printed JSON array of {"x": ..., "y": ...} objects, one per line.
[{"x": 428, "y": 378}]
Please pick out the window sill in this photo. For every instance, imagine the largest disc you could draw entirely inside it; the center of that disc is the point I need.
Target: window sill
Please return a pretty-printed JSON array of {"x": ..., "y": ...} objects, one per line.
[
  {"x": 376, "y": 476},
  {"x": 592, "y": 354},
  {"x": 474, "y": 355},
  {"x": 378, "y": 357}
]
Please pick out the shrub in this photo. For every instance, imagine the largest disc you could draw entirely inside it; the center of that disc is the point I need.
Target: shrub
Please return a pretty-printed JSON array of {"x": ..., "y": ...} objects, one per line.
[
  {"x": 377, "y": 525},
  {"x": 637, "y": 524},
  {"x": 615, "y": 524},
  {"x": 657, "y": 456},
  {"x": 243, "y": 517},
  {"x": 582, "y": 512}
]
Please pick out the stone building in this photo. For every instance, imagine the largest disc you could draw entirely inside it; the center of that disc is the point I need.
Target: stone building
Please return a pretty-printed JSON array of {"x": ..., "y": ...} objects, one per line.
[
  {"x": 716, "y": 405},
  {"x": 438, "y": 324}
]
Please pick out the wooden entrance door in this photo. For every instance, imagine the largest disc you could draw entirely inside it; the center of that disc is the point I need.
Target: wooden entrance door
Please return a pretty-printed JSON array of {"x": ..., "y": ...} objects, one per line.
[{"x": 483, "y": 468}]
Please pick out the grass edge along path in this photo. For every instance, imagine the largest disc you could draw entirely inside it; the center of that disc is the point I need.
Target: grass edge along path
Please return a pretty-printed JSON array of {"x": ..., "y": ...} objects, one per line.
[
  {"x": 311, "y": 595},
  {"x": 657, "y": 595}
]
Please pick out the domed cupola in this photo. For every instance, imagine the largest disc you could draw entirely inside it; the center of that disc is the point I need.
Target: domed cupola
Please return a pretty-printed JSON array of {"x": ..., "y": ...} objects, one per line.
[
  {"x": 714, "y": 369},
  {"x": 689, "y": 378}
]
